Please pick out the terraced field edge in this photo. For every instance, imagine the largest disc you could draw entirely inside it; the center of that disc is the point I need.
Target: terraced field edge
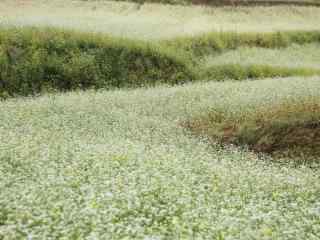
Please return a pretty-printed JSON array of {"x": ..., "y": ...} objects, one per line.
[
  {"x": 214, "y": 42},
  {"x": 242, "y": 72},
  {"x": 34, "y": 60},
  {"x": 282, "y": 130}
]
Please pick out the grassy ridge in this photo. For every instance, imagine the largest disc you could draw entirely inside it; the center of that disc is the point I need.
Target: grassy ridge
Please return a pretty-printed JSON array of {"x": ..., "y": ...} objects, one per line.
[
  {"x": 288, "y": 128},
  {"x": 218, "y": 41},
  {"x": 240, "y": 72},
  {"x": 34, "y": 60}
]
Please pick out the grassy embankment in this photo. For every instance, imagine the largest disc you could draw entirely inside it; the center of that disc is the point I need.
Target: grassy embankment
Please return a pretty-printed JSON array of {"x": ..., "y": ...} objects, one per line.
[
  {"x": 37, "y": 60},
  {"x": 33, "y": 61},
  {"x": 285, "y": 129}
]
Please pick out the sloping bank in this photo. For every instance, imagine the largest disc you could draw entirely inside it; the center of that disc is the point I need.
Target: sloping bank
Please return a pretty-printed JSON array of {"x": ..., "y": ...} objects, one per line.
[
  {"x": 289, "y": 129},
  {"x": 217, "y": 42},
  {"x": 35, "y": 60}
]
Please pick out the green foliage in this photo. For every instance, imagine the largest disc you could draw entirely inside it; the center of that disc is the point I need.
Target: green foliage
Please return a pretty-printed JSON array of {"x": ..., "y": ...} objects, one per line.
[
  {"x": 216, "y": 42},
  {"x": 240, "y": 72},
  {"x": 35, "y": 60}
]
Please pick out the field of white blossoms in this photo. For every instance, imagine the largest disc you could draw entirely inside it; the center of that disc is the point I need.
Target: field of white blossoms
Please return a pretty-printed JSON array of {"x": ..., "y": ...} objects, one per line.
[
  {"x": 156, "y": 21},
  {"x": 162, "y": 162}
]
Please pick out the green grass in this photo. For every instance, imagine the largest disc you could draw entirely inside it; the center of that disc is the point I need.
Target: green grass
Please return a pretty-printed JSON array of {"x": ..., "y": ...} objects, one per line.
[
  {"x": 215, "y": 42},
  {"x": 117, "y": 164},
  {"x": 39, "y": 60},
  {"x": 238, "y": 72}
]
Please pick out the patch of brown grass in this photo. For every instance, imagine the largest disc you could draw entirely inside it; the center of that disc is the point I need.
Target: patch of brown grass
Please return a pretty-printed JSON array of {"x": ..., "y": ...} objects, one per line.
[{"x": 285, "y": 130}]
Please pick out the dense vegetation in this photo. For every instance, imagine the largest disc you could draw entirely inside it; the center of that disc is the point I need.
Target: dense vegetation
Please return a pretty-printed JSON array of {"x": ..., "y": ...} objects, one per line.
[
  {"x": 219, "y": 41},
  {"x": 290, "y": 128},
  {"x": 34, "y": 60},
  {"x": 118, "y": 164},
  {"x": 216, "y": 158}
]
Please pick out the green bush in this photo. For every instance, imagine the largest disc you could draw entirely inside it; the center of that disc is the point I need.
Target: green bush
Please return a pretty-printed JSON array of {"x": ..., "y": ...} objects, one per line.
[{"x": 35, "y": 60}]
